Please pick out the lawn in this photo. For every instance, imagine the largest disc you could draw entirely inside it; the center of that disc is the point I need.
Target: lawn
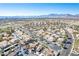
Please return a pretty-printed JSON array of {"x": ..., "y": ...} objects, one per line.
[{"x": 76, "y": 45}]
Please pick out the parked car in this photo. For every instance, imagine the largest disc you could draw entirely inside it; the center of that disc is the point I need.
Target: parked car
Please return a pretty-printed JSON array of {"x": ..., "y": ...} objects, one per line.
[
  {"x": 69, "y": 41},
  {"x": 66, "y": 46}
]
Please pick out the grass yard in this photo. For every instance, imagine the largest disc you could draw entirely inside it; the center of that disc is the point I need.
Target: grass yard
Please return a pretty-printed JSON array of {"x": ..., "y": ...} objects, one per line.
[{"x": 76, "y": 45}]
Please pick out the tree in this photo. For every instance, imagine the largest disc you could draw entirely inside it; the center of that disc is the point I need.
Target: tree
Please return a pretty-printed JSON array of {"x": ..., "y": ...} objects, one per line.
[
  {"x": 1, "y": 38},
  {"x": 44, "y": 28}
]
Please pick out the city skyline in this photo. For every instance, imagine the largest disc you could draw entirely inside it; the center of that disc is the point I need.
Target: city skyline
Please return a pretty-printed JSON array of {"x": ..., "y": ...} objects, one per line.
[{"x": 35, "y": 9}]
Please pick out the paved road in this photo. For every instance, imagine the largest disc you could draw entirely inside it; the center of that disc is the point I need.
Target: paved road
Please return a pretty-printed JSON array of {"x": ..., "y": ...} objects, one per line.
[{"x": 66, "y": 52}]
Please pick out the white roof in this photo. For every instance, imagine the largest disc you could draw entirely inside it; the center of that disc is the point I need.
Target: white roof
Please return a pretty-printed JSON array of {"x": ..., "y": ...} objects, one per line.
[
  {"x": 50, "y": 38},
  {"x": 3, "y": 43}
]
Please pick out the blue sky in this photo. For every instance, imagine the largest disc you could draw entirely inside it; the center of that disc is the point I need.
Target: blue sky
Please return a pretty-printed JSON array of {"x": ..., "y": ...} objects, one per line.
[{"x": 31, "y": 9}]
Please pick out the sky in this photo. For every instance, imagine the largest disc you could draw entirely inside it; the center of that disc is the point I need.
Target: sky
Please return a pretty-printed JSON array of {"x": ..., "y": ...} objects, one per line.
[{"x": 34, "y": 9}]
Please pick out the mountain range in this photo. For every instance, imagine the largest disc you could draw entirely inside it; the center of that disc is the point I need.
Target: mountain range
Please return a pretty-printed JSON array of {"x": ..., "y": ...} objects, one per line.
[{"x": 43, "y": 16}]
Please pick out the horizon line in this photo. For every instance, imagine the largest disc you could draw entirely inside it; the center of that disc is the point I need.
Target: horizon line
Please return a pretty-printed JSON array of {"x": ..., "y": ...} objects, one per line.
[{"x": 43, "y": 14}]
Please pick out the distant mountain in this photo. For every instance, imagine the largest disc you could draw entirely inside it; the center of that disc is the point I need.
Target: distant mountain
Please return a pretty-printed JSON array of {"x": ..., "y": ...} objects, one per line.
[{"x": 41, "y": 16}]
